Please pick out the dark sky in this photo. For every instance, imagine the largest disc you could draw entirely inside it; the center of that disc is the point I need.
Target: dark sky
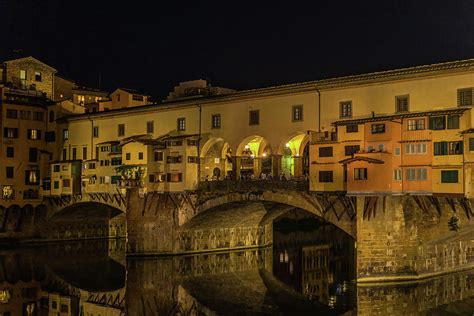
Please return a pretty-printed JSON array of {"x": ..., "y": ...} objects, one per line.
[{"x": 152, "y": 45}]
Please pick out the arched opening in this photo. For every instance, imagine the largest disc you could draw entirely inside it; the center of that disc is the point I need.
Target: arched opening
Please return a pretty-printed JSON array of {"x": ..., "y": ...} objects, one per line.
[
  {"x": 83, "y": 221},
  {"x": 294, "y": 153},
  {"x": 309, "y": 255},
  {"x": 216, "y": 159},
  {"x": 255, "y": 155}
]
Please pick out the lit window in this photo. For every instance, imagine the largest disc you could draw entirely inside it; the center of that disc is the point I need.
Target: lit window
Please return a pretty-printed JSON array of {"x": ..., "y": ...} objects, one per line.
[
  {"x": 216, "y": 121},
  {"x": 416, "y": 124},
  {"x": 378, "y": 128},
  {"x": 65, "y": 134},
  {"x": 297, "y": 113},
  {"x": 181, "y": 124},
  {"x": 397, "y": 174},
  {"x": 345, "y": 109}
]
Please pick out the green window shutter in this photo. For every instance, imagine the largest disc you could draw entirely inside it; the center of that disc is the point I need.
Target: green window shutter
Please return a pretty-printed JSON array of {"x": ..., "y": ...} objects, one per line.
[
  {"x": 437, "y": 149},
  {"x": 444, "y": 146},
  {"x": 461, "y": 147},
  {"x": 431, "y": 124},
  {"x": 471, "y": 144}
]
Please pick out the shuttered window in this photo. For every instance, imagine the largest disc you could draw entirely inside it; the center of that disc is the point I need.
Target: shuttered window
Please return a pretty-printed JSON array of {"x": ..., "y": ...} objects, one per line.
[
  {"x": 465, "y": 97},
  {"x": 325, "y": 151},
  {"x": 438, "y": 122},
  {"x": 325, "y": 176},
  {"x": 449, "y": 176}
]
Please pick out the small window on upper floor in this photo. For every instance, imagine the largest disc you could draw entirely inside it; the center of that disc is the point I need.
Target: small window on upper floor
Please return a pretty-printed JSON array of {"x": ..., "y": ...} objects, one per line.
[
  {"x": 438, "y": 122},
  {"x": 38, "y": 76},
  {"x": 352, "y": 128},
  {"x": 325, "y": 151},
  {"x": 416, "y": 124},
  {"x": 216, "y": 121},
  {"x": 181, "y": 124},
  {"x": 150, "y": 127},
  {"x": 95, "y": 131},
  {"x": 378, "y": 128},
  {"x": 345, "y": 109},
  {"x": 121, "y": 130},
  {"x": 65, "y": 134},
  {"x": 254, "y": 117},
  {"x": 465, "y": 97},
  {"x": 453, "y": 121},
  {"x": 297, "y": 113},
  {"x": 118, "y": 97},
  {"x": 402, "y": 103}
]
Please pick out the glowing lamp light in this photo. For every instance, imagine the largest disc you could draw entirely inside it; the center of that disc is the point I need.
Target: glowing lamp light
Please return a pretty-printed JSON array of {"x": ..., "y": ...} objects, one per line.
[
  {"x": 287, "y": 145},
  {"x": 251, "y": 156},
  {"x": 264, "y": 154},
  {"x": 247, "y": 146}
]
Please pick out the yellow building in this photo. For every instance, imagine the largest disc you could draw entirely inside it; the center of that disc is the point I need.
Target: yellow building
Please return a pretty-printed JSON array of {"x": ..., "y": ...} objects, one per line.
[{"x": 267, "y": 131}]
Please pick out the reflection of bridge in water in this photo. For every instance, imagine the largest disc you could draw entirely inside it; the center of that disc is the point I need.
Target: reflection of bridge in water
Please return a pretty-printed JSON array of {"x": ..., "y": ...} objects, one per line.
[{"x": 70, "y": 279}]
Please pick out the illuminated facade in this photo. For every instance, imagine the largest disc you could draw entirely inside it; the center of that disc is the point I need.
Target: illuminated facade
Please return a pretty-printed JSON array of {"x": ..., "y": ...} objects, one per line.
[{"x": 365, "y": 134}]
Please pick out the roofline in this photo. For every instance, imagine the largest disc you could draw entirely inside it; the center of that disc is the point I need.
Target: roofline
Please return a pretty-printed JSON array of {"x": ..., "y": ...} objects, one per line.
[
  {"x": 388, "y": 117},
  {"x": 27, "y": 57},
  {"x": 466, "y": 65}
]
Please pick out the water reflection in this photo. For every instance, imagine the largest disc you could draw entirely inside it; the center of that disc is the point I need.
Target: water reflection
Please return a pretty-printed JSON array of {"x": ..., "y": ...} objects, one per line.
[{"x": 309, "y": 270}]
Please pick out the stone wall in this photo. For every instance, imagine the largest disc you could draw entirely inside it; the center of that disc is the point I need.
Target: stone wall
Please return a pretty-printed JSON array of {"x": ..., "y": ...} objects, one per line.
[{"x": 402, "y": 238}]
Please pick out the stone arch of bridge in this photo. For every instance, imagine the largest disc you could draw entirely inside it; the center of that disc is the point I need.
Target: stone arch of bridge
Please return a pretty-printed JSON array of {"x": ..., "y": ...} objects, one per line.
[
  {"x": 338, "y": 210},
  {"x": 57, "y": 204},
  {"x": 88, "y": 209}
]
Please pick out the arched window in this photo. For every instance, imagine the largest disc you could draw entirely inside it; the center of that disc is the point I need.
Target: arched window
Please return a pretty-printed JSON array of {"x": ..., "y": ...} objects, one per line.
[{"x": 51, "y": 116}]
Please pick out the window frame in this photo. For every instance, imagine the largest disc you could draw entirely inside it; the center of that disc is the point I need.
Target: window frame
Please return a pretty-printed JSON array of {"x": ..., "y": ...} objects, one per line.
[
  {"x": 326, "y": 176},
  {"x": 463, "y": 100},
  {"x": 181, "y": 124},
  {"x": 253, "y": 113},
  {"x": 444, "y": 173},
  {"x": 360, "y": 174},
  {"x": 345, "y": 109},
  {"x": 329, "y": 153},
  {"x": 215, "y": 118},
  {"x": 294, "y": 111},
  {"x": 398, "y": 98},
  {"x": 374, "y": 128},
  {"x": 120, "y": 129}
]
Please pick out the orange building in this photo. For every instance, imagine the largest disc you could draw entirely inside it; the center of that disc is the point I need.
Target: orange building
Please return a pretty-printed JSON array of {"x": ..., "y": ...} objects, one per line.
[{"x": 405, "y": 153}]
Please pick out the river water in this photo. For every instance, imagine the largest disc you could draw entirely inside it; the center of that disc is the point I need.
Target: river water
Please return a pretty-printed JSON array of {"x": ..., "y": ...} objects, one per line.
[{"x": 309, "y": 270}]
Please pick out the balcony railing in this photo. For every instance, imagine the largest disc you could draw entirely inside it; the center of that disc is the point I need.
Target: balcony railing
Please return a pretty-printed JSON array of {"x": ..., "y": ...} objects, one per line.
[
  {"x": 416, "y": 135},
  {"x": 254, "y": 185},
  {"x": 327, "y": 136}
]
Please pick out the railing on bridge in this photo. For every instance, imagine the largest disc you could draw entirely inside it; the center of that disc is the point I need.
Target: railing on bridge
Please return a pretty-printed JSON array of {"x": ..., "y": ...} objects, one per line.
[{"x": 254, "y": 185}]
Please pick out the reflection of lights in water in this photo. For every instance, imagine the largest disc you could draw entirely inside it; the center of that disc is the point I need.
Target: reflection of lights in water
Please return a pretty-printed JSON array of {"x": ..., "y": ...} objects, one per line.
[
  {"x": 30, "y": 308},
  {"x": 286, "y": 256},
  {"x": 291, "y": 267},
  {"x": 4, "y": 296},
  {"x": 332, "y": 301},
  {"x": 345, "y": 287},
  {"x": 282, "y": 257}
]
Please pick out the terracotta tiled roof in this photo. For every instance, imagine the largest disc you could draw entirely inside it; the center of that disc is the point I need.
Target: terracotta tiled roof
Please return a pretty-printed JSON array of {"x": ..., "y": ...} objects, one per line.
[{"x": 361, "y": 158}]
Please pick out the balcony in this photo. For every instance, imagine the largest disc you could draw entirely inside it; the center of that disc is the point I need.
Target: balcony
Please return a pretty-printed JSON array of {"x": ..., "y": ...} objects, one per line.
[
  {"x": 320, "y": 137},
  {"x": 416, "y": 135}
]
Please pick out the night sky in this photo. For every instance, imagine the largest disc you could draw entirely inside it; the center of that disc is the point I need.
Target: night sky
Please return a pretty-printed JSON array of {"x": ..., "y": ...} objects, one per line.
[{"x": 153, "y": 45}]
